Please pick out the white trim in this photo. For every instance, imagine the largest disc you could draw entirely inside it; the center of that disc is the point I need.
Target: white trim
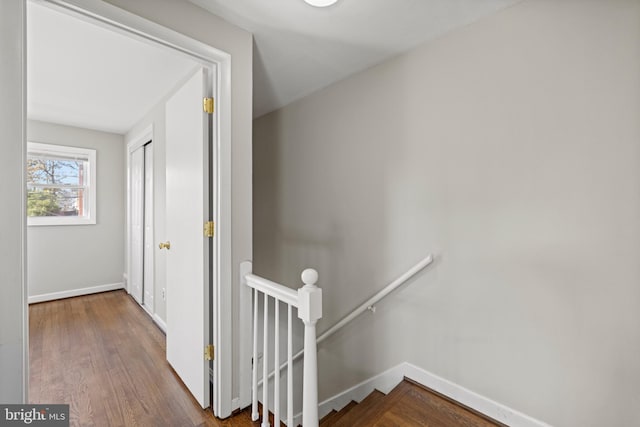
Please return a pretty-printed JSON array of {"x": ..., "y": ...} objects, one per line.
[
  {"x": 386, "y": 381},
  {"x": 23, "y": 201},
  {"x": 161, "y": 323},
  {"x": 75, "y": 292},
  {"x": 244, "y": 335},
  {"x": 120, "y": 20},
  {"x": 224, "y": 266},
  {"x": 140, "y": 139}
]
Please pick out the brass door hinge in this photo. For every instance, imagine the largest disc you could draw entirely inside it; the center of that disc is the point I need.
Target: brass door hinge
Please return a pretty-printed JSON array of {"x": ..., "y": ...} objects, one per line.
[
  {"x": 207, "y": 105},
  {"x": 209, "y": 229},
  {"x": 209, "y": 352}
]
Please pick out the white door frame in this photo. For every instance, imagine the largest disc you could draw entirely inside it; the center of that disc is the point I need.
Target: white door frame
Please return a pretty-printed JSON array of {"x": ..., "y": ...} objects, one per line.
[{"x": 105, "y": 14}]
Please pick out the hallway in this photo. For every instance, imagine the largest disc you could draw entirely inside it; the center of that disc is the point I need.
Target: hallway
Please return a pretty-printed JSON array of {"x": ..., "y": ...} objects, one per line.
[{"x": 104, "y": 356}]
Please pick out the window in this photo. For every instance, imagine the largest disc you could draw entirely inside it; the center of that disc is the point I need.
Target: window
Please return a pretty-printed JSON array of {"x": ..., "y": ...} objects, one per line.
[{"x": 61, "y": 185}]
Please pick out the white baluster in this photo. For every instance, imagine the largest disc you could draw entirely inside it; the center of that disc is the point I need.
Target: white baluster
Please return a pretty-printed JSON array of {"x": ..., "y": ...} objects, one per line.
[
  {"x": 310, "y": 310},
  {"x": 289, "y": 368},
  {"x": 265, "y": 365},
  {"x": 254, "y": 374},
  {"x": 276, "y": 361}
]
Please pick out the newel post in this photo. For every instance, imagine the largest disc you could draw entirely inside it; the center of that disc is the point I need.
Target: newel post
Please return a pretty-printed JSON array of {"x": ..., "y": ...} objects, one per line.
[{"x": 310, "y": 310}]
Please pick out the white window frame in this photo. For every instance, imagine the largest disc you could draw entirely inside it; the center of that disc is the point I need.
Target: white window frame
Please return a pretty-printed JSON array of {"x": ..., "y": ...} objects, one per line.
[{"x": 90, "y": 187}]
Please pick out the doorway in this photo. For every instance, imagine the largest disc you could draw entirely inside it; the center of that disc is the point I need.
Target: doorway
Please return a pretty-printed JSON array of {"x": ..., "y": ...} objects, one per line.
[{"x": 220, "y": 190}]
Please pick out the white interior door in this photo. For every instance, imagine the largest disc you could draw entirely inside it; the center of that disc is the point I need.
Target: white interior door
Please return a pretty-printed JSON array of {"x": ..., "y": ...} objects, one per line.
[
  {"x": 187, "y": 208},
  {"x": 136, "y": 203},
  {"x": 149, "y": 241}
]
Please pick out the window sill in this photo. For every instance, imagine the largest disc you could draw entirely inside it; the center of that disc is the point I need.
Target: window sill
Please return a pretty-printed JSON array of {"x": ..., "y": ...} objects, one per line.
[{"x": 39, "y": 222}]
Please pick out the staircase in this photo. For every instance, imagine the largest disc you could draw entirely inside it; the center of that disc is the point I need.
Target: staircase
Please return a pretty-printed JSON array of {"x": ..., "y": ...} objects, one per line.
[
  {"x": 308, "y": 303},
  {"x": 409, "y": 404}
]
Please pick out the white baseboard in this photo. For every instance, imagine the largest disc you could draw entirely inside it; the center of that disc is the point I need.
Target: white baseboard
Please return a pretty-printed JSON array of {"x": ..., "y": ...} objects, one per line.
[
  {"x": 386, "y": 381},
  {"x": 75, "y": 292},
  {"x": 161, "y": 323}
]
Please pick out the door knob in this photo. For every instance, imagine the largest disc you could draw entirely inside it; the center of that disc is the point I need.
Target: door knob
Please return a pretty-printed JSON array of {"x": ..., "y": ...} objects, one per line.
[{"x": 165, "y": 245}]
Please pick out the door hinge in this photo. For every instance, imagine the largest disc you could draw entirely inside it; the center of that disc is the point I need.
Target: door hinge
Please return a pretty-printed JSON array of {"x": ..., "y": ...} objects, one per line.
[
  {"x": 207, "y": 105},
  {"x": 209, "y": 352},
  {"x": 209, "y": 229}
]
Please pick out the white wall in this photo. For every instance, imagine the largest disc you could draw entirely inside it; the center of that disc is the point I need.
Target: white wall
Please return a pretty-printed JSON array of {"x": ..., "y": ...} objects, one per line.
[
  {"x": 13, "y": 301},
  {"x": 509, "y": 148},
  {"x": 72, "y": 257}
]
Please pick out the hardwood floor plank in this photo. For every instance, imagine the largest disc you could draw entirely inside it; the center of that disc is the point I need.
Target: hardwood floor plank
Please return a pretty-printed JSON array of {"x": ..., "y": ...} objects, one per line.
[{"x": 104, "y": 356}]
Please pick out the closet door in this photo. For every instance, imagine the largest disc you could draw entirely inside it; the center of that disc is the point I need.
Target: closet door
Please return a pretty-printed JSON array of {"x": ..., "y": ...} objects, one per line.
[
  {"x": 149, "y": 238},
  {"x": 148, "y": 288},
  {"x": 136, "y": 226}
]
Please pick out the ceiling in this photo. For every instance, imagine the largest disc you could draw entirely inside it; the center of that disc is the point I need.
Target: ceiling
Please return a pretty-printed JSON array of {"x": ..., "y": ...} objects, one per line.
[
  {"x": 88, "y": 75},
  {"x": 82, "y": 74},
  {"x": 300, "y": 48}
]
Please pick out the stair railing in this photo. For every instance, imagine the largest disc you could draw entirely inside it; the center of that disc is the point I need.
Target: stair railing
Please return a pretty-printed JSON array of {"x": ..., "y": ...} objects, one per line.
[
  {"x": 308, "y": 301},
  {"x": 369, "y": 304}
]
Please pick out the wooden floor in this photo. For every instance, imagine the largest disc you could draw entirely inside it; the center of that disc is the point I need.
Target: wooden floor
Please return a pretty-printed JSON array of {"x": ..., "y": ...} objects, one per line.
[{"x": 104, "y": 356}]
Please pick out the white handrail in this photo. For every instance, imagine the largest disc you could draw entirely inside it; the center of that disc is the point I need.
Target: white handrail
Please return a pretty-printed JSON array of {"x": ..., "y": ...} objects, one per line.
[
  {"x": 367, "y": 305},
  {"x": 371, "y": 302},
  {"x": 283, "y": 293}
]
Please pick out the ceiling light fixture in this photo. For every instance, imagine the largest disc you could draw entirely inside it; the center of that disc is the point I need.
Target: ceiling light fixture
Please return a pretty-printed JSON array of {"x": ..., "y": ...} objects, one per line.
[{"x": 320, "y": 3}]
